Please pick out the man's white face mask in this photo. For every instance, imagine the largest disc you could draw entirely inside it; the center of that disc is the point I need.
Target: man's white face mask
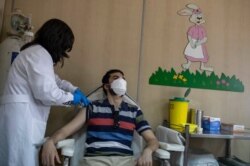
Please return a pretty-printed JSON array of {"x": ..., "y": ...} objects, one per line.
[{"x": 119, "y": 86}]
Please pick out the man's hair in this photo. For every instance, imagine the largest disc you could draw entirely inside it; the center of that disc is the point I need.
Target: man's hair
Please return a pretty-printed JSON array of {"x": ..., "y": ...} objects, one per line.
[
  {"x": 105, "y": 78},
  {"x": 56, "y": 37}
]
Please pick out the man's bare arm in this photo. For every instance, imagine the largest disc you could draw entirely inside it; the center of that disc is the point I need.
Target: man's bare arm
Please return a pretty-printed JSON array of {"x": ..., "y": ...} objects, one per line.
[
  {"x": 152, "y": 145},
  {"x": 70, "y": 128},
  {"x": 151, "y": 140},
  {"x": 49, "y": 152}
]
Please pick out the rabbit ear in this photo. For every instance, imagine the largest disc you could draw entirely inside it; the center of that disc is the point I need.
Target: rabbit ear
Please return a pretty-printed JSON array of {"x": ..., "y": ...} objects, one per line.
[
  {"x": 185, "y": 12},
  {"x": 192, "y": 6}
]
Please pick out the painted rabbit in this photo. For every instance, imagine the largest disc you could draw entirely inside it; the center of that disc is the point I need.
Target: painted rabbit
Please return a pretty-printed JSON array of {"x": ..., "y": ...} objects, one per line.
[{"x": 195, "y": 50}]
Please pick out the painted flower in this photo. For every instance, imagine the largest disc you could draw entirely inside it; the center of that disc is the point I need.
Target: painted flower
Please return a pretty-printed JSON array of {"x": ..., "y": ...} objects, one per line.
[
  {"x": 180, "y": 77},
  {"x": 223, "y": 81}
]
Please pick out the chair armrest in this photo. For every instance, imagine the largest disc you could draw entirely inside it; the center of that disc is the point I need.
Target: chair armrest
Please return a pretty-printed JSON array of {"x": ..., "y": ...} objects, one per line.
[
  {"x": 162, "y": 154},
  {"x": 172, "y": 147},
  {"x": 67, "y": 147},
  {"x": 65, "y": 143}
]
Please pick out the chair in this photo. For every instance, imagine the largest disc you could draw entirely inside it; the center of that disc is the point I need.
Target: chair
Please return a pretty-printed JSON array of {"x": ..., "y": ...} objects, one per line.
[
  {"x": 173, "y": 142},
  {"x": 73, "y": 149}
]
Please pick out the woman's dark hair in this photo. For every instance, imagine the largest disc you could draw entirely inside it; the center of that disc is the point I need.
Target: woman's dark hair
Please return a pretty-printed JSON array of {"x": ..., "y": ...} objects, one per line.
[
  {"x": 105, "y": 78},
  {"x": 56, "y": 37}
]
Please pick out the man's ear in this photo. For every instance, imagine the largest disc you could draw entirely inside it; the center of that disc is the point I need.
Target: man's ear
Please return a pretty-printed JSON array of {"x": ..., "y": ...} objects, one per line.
[{"x": 106, "y": 86}]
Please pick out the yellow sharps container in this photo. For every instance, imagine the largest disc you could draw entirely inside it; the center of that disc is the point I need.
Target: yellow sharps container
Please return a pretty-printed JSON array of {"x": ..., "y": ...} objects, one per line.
[{"x": 178, "y": 112}]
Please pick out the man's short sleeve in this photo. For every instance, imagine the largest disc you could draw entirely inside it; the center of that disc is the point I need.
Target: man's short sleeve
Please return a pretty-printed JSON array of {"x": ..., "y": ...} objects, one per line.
[
  {"x": 89, "y": 110},
  {"x": 141, "y": 123}
]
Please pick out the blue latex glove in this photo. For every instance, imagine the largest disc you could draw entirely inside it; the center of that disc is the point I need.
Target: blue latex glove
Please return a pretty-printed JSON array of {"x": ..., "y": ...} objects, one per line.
[
  {"x": 84, "y": 99},
  {"x": 76, "y": 99}
]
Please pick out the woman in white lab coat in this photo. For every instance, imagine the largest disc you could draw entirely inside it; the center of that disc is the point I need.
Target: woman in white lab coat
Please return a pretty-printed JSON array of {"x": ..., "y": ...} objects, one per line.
[{"x": 31, "y": 89}]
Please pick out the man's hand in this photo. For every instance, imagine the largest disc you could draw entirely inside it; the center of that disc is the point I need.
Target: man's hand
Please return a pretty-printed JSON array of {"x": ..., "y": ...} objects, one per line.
[
  {"x": 146, "y": 158},
  {"x": 49, "y": 154}
]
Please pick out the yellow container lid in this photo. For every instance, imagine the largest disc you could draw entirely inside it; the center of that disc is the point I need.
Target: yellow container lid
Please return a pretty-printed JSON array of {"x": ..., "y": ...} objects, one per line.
[{"x": 179, "y": 99}]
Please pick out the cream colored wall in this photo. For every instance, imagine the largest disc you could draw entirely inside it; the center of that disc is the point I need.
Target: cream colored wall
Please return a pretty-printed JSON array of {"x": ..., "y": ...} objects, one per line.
[
  {"x": 108, "y": 35},
  {"x": 164, "y": 39},
  {"x": 105, "y": 33},
  {"x": 1, "y": 13}
]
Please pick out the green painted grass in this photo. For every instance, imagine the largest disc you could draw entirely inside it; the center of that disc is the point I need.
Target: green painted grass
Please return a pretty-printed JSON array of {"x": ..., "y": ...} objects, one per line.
[{"x": 196, "y": 80}]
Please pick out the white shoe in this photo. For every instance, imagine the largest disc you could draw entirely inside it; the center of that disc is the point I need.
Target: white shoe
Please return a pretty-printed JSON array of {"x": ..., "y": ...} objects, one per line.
[
  {"x": 186, "y": 66},
  {"x": 206, "y": 68}
]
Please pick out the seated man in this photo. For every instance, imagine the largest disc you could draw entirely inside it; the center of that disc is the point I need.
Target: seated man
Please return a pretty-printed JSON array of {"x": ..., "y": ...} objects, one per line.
[{"x": 110, "y": 126}]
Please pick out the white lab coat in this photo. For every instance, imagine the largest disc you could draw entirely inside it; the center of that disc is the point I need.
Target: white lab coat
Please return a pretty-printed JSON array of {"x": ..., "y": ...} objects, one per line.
[
  {"x": 7, "y": 47},
  {"x": 30, "y": 90}
]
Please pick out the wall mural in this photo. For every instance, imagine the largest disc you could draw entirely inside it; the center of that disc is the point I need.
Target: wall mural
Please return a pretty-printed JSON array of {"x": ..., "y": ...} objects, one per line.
[
  {"x": 196, "y": 80},
  {"x": 196, "y": 51}
]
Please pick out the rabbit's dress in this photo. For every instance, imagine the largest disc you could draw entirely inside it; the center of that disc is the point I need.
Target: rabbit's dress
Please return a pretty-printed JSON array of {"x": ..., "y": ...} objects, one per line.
[{"x": 196, "y": 32}]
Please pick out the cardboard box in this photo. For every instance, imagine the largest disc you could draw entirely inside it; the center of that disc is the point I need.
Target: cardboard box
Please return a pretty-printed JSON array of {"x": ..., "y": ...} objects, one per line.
[
  {"x": 211, "y": 123},
  {"x": 232, "y": 127}
]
